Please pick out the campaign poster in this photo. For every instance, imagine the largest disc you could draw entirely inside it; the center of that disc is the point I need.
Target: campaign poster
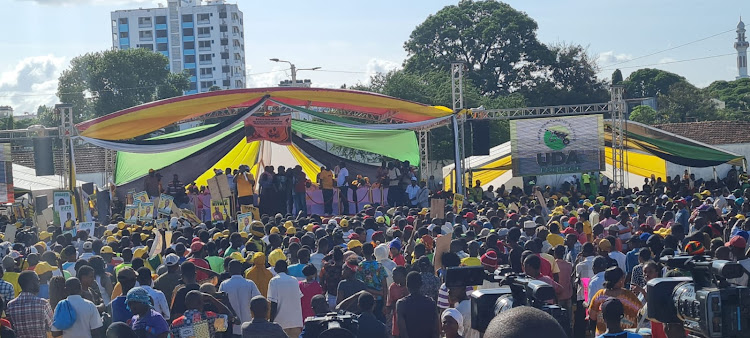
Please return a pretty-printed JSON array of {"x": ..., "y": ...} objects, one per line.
[
  {"x": 68, "y": 218},
  {"x": 219, "y": 209},
  {"x": 458, "y": 202},
  {"x": 146, "y": 212},
  {"x": 141, "y": 196},
  {"x": 131, "y": 213},
  {"x": 190, "y": 216},
  {"x": 59, "y": 199},
  {"x": 86, "y": 226},
  {"x": 251, "y": 209},
  {"x": 161, "y": 223},
  {"x": 244, "y": 220},
  {"x": 277, "y": 129},
  {"x": 165, "y": 204}
]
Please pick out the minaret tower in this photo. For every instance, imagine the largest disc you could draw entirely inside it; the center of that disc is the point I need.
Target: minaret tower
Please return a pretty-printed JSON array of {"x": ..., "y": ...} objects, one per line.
[{"x": 741, "y": 46}]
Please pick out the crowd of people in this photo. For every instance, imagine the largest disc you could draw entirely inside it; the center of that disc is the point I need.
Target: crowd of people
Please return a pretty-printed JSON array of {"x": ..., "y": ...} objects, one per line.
[{"x": 213, "y": 279}]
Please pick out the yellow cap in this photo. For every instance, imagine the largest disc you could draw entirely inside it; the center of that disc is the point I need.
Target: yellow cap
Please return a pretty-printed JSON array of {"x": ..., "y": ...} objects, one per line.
[
  {"x": 353, "y": 244},
  {"x": 237, "y": 256},
  {"x": 217, "y": 236},
  {"x": 111, "y": 239},
  {"x": 344, "y": 223},
  {"x": 144, "y": 237},
  {"x": 44, "y": 235},
  {"x": 424, "y": 211},
  {"x": 42, "y": 244},
  {"x": 106, "y": 250},
  {"x": 291, "y": 230},
  {"x": 43, "y": 267},
  {"x": 739, "y": 216},
  {"x": 148, "y": 228},
  {"x": 243, "y": 234},
  {"x": 138, "y": 253},
  {"x": 121, "y": 225},
  {"x": 706, "y": 193},
  {"x": 274, "y": 230},
  {"x": 309, "y": 227},
  {"x": 107, "y": 233},
  {"x": 275, "y": 256},
  {"x": 225, "y": 233},
  {"x": 380, "y": 219}
]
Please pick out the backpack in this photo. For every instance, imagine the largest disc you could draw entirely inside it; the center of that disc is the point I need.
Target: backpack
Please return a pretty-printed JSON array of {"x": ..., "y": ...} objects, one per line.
[{"x": 65, "y": 315}]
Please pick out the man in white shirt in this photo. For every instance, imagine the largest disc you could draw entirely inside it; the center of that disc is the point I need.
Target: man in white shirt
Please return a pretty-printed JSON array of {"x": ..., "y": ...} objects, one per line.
[
  {"x": 342, "y": 181},
  {"x": 160, "y": 300},
  {"x": 88, "y": 251},
  {"x": 317, "y": 258},
  {"x": 286, "y": 306},
  {"x": 614, "y": 254},
  {"x": 596, "y": 283},
  {"x": 411, "y": 191},
  {"x": 240, "y": 292},
  {"x": 88, "y": 322}
]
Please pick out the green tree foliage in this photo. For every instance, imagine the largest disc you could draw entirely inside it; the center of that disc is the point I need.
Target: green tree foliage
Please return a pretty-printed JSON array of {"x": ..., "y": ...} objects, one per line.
[
  {"x": 46, "y": 116},
  {"x": 648, "y": 82},
  {"x": 646, "y": 114},
  {"x": 685, "y": 103},
  {"x": 735, "y": 94},
  {"x": 616, "y": 77},
  {"x": 100, "y": 83}
]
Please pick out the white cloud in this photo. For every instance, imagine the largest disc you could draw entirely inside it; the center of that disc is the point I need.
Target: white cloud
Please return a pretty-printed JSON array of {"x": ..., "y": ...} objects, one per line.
[
  {"x": 667, "y": 60},
  {"x": 375, "y": 66},
  {"x": 31, "y": 82},
  {"x": 610, "y": 57},
  {"x": 270, "y": 78},
  {"x": 93, "y": 2}
]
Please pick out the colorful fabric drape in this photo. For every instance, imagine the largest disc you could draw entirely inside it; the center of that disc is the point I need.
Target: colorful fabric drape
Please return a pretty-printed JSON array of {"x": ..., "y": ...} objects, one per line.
[{"x": 242, "y": 153}]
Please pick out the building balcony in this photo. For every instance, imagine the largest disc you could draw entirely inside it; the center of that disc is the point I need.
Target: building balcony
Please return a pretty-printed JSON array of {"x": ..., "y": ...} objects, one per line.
[
  {"x": 205, "y": 62},
  {"x": 204, "y": 22},
  {"x": 145, "y": 25},
  {"x": 207, "y": 76}
]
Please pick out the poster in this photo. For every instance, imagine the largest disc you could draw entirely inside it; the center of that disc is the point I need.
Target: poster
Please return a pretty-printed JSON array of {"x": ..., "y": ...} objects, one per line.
[
  {"x": 458, "y": 202},
  {"x": 437, "y": 208},
  {"x": 131, "y": 213},
  {"x": 191, "y": 217},
  {"x": 277, "y": 129},
  {"x": 86, "y": 226},
  {"x": 244, "y": 220},
  {"x": 18, "y": 211},
  {"x": 146, "y": 211},
  {"x": 141, "y": 196},
  {"x": 129, "y": 196},
  {"x": 252, "y": 209},
  {"x": 161, "y": 223},
  {"x": 219, "y": 209},
  {"x": 442, "y": 245},
  {"x": 557, "y": 145},
  {"x": 10, "y": 233},
  {"x": 156, "y": 247},
  {"x": 59, "y": 199},
  {"x": 86, "y": 206},
  {"x": 165, "y": 204},
  {"x": 67, "y": 218},
  {"x": 219, "y": 187}
]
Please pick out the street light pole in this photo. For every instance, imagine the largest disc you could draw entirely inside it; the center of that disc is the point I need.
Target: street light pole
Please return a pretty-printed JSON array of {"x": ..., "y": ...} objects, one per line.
[{"x": 294, "y": 70}]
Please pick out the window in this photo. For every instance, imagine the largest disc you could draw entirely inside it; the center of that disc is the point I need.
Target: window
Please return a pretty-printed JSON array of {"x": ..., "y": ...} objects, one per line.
[
  {"x": 226, "y": 83},
  {"x": 189, "y": 58},
  {"x": 225, "y": 56},
  {"x": 148, "y": 46},
  {"x": 162, "y": 47},
  {"x": 162, "y": 33},
  {"x": 205, "y": 44},
  {"x": 223, "y": 28},
  {"x": 237, "y": 57},
  {"x": 204, "y": 18},
  {"x": 187, "y": 32},
  {"x": 188, "y": 45},
  {"x": 204, "y": 31},
  {"x": 190, "y": 72},
  {"x": 237, "y": 43},
  {"x": 193, "y": 86},
  {"x": 235, "y": 16},
  {"x": 235, "y": 30},
  {"x": 114, "y": 23},
  {"x": 206, "y": 84},
  {"x": 222, "y": 15},
  {"x": 144, "y": 21},
  {"x": 187, "y": 18},
  {"x": 114, "y": 36},
  {"x": 207, "y": 72},
  {"x": 161, "y": 20},
  {"x": 238, "y": 84},
  {"x": 146, "y": 35},
  {"x": 123, "y": 34},
  {"x": 204, "y": 58},
  {"x": 224, "y": 42},
  {"x": 225, "y": 69},
  {"x": 123, "y": 21}
]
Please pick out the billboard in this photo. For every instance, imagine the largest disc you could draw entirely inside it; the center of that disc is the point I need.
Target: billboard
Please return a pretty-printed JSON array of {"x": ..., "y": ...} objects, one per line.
[
  {"x": 557, "y": 145},
  {"x": 277, "y": 129}
]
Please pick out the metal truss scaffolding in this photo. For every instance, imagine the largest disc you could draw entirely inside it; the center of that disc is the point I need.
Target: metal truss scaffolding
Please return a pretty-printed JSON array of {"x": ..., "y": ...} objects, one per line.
[
  {"x": 459, "y": 120},
  {"x": 618, "y": 109}
]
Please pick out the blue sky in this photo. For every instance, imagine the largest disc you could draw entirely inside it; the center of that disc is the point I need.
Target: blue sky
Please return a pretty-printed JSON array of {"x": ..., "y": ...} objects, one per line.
[{"x": 352, "y": 40}]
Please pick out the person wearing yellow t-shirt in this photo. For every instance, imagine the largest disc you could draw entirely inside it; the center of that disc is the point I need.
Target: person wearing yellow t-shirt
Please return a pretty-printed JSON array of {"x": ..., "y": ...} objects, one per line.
[
  {"x": 554, "y": 237},
  {"x": 245, "y": 182},
  {"x": 325, "y": 180}
]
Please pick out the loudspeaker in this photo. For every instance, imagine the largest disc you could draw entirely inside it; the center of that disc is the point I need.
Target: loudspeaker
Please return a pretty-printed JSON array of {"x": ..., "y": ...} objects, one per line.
[
  {"x": 40, "y": 203},
  {"x": 44, "y": 162},
  {"x": 480, "y": 136}
]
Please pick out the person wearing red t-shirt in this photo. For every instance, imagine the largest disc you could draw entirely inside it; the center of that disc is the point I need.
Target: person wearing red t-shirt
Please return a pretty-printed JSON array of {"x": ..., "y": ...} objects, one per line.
[
  {"x": 396, "y": 291},
  {"x": 197, "y": 253},
  {"x": 396, "y": 256}
]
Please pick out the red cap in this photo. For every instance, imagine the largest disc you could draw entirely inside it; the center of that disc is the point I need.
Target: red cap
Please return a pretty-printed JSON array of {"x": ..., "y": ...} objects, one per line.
[
  {"x": 410, "y": 219},
  {"x": 196, "y": 239},
  {"x": 510, "y": 215},
  {"x": 569, "y": 230},
  {"x": 353, "y": 235},
  {"x": 572, "y": 221},
  {"x": 294, "y": 240},
  {"x": 196, "y": 246},
  {"x": 469, "y": 215},
  {"x": 409, "y": 227},
  {"x": 737, "y": 242},
  {"x": 489, "y": 259}
]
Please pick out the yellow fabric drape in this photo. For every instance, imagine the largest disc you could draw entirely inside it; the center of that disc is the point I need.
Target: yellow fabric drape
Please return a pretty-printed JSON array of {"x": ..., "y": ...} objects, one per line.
[
  {"x": 242, "y": 153},
  {"x": 641, "y": 164},
  {"x": 309, "y": 167},
  {"x": 485, "y": 176}
]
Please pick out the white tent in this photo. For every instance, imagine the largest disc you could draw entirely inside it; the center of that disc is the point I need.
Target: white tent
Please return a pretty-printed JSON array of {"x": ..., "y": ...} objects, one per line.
[{"x": 26, "y": 180}]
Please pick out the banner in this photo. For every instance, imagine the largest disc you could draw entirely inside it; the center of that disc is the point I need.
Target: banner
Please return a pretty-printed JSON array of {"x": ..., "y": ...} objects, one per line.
[
  {"x": 277, "y": 129},
  {"x": 146, "y": 211},
  {"x": 219, "y": 209},
  {"x": 165, "y": 204},
  {"x": 557, "y": 145},
  {"x": 131, "y": 213}
]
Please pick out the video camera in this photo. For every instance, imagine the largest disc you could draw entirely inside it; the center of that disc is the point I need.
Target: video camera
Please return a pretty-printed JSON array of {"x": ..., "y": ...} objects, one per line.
[
  {"x": 332, "y": 325},
  {"x": 706, "y": 304},
  {"x": 515, "y": 290}
]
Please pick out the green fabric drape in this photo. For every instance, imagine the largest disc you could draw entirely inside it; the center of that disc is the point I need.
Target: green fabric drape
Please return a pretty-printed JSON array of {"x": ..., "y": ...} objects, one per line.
[
  {"x": 131, "y": 166},
  {"x": 691, "y": 155},
  {"x": 398, "y": 144}
]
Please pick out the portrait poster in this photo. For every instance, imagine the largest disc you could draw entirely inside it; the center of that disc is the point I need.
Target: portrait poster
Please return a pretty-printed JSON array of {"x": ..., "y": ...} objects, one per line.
[
  {"x": 131, "y": 213},
  {"x": 146, "y": 211}
]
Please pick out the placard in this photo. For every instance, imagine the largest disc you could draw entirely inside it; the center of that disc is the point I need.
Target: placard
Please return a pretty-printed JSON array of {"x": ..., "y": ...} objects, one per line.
[
  {"x": 146, "y": 211},
  {"x": 67, "y": 218},
  {"x": 168, "y": 237},
  {"x": 86, "y": 226},
  {"x": 277, "y": 129},
  {"x": 156, "y": 247},
  {"x": 219, "y": 187},
  {"x": 437, "y": 208},
  {"x": 190, "y": 216},
  {"x": 165, "y": 204},
  {"x": 131, "y": 213},
  {"x": 161, "y": 223},
  {"x": 219, "y": 209},
  {"x": 10, "y": 233},
  {"x": 244, "y": 221},
  {"x": 7, "y": 193},
  {"x": 458, "y": 202},
  {"x": 442, "y": 245},
  {"x": 141, "y": 196},
  {"x": 249, "y": 208},
  {"x": 130, "y": 196},
  {"x": 59, "y": 199}
]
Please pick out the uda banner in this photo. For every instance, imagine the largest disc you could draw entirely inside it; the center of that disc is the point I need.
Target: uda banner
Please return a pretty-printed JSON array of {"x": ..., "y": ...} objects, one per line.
[
  {"x": 557, "y": 145},
  {"x": 277, "y": 129}
]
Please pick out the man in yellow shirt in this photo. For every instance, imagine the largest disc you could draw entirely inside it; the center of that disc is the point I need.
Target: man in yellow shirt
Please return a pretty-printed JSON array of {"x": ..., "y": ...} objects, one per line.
[
  {"x": 245, "y": 182},
  {"x": 325, "y": 180}
]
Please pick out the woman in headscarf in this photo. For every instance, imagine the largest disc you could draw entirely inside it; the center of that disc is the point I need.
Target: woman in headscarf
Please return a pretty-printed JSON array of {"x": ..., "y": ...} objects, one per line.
[
  {"x": 259, "y": 274},
  {"x": 145, "y": 321},
  {"x": 614, "y": 281},
  {"x": 452, "y": 323}
]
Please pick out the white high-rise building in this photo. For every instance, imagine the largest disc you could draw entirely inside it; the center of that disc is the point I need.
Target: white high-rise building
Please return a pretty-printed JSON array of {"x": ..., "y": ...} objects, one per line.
[
  {"x": 204, "y": 38},
  {"x": 741, "y": 46}
]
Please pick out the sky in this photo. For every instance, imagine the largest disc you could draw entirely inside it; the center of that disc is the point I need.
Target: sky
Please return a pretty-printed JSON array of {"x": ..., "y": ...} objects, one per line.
[{"x": 352, "y": 40}]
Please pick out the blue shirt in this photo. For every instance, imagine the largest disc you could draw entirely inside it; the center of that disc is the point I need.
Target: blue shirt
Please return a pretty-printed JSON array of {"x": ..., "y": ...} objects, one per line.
[
  {"x": 120, "y": 312},
  {"x": 626, "y": 335},
  {"x": 43, "y": 291},
  {"x": 683, "y": 217},
  {"x": 295, "y": 270},
  {"x": 631, "y": 260}
]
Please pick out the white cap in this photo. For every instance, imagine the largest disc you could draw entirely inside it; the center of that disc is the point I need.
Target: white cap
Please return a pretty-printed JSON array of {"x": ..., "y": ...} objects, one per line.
[
  {"x": 529, "y": 225},
  {"x": 171, "y": 259}
]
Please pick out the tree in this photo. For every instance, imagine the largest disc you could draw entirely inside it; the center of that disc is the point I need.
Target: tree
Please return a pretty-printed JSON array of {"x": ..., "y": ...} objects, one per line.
[
  {"x": 100, "y": 83},
  {"x": 47, "y": 117},
  {"x": 648, "y": 82},
  {"x": 686, "y": 103},
  {"x": 616, "y": 77},
  {"x": 497, "y": 43},
  {"x": 735, "y": 94},
  {"x": 645, "y": 114},
  {"x": 214, "y": 88}
]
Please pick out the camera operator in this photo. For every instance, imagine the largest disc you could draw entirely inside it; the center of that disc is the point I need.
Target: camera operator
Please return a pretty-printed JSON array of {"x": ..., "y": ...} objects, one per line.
[{"x": 614, "y": 281}]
